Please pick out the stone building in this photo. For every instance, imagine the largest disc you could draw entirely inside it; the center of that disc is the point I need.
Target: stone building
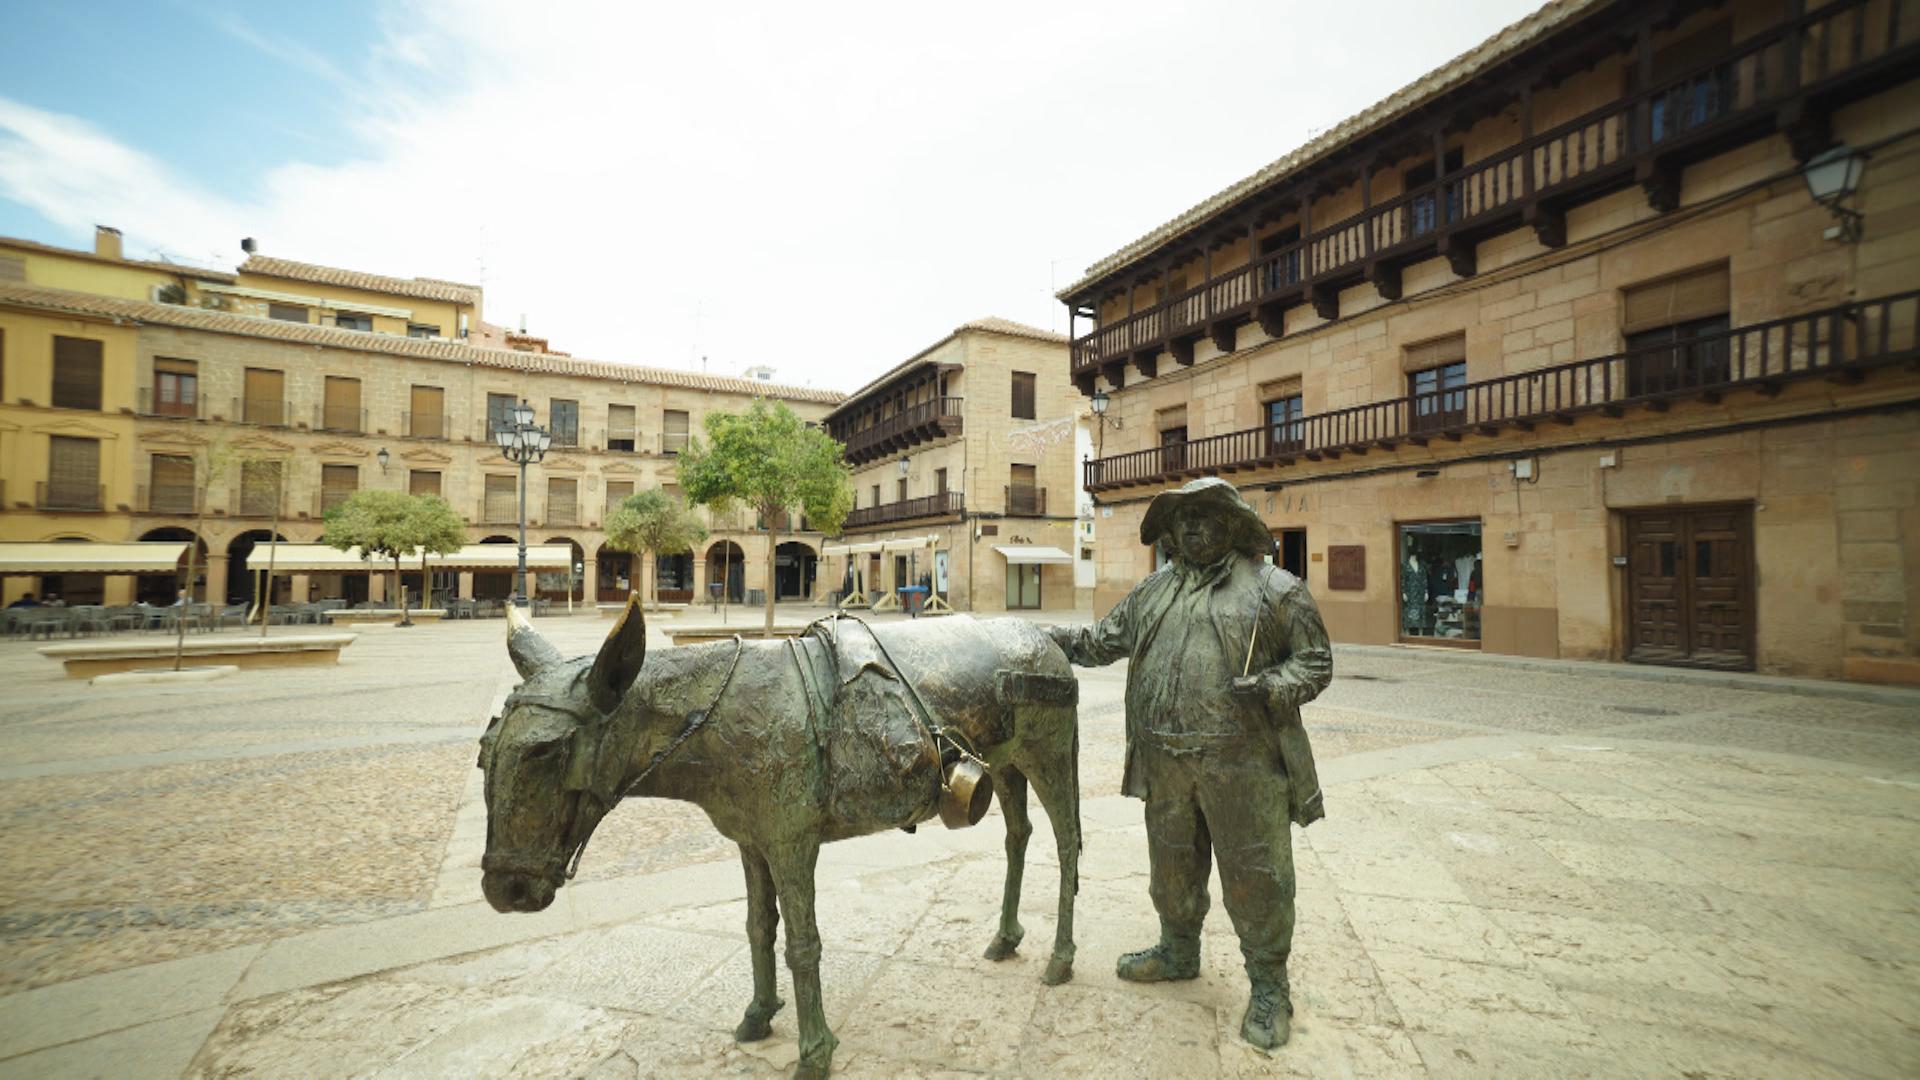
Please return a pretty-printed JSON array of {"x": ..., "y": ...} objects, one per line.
[
  {"x": 1597, "y": 342},
  {"x": 965, "y": 475},
  {"x": 115, "y": 373}
]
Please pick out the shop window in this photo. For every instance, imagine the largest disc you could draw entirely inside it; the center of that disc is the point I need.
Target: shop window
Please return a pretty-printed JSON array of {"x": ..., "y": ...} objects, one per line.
[
  {"x": 76, "y": 373},
  {"x": 565, "y": 418},
  {"x": 1676, "y": 332},
  {"x": 1441, "y": 581},
  {"x": 1023, "y": 586}
]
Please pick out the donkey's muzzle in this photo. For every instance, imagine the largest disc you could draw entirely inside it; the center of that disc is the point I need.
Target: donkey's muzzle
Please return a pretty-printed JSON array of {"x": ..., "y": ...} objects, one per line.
[{"x": 516, "y": 892}]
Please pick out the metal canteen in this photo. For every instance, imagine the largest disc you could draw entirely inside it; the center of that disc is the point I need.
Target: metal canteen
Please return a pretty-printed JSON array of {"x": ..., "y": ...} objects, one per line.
[{"x": 965, "y": 793}]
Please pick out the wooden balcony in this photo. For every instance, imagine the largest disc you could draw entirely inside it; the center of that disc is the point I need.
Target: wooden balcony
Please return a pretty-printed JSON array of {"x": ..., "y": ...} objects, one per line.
[
  {"x": 1842, "y": 343},
  {"x": 1788, "y": 78},
  {"x": 946, "y": 502},
  {"x": 920, "y": 423},
  {"x": 1022, "y": 501}
]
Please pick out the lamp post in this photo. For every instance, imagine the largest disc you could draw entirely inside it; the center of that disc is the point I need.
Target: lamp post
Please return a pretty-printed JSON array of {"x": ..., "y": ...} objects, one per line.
[
  {"x": 522, "y": 443},
  {"x": 1832, "y": 176}
]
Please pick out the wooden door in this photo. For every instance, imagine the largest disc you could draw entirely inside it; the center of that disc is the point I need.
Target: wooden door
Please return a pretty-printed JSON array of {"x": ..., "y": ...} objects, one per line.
[{"x": 1690, "y": 586}]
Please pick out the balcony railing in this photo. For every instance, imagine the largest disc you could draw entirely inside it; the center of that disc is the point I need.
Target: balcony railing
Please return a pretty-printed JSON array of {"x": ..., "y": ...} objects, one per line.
[
  {"x": 1821, "y": 56},
  {"x": 69, "y": 496},
  {"x": 1842, "y": 342},
  {"x": 253, "y": 500},
  {"x": 917, "y": 424},
  {"x": 325, "y": 500},
  {"x": 672, "y": 442},
  {"x": 494, "y": 512},
  {"x": 624, "y": 439},
  {"x": 349, "y": 418},
  {"x": 269, "y": 411},
  {"x": 946, "y": 502},
  {"x": 165, "y": 499},
  {"x": 562, "y": 514},
  {"x": 1026, "y": 501},
  {"x": 149, "y": 403},
  {"x": 425, "y": 425}
]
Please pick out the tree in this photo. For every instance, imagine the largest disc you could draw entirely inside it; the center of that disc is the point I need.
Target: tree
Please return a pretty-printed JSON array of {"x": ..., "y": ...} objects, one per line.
[
  {"x": 771, "y": 461},
  {"x": 393, "y": 524},
  {"x": 651, "y": 523},
  {"x": 211, "y": 462}
]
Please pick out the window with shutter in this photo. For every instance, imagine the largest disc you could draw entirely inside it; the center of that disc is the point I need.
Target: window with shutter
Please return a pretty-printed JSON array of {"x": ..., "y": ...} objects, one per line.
[
  {"x": 76, "y": 373},
  {"x": 1675, "y": 329},
  {"x": 1700, "y": 294},
  {"x": 287, "y": 312},
  {"x": 342, "y": 408},
  {"x": 673, "y": 438},
  {"x": 423, "y": 482},
  {"x": 266, "y": 397},
  {"x": 1023, "y": 395},
  {"x": 622, "y": 433},
  {"x": 176, "y": 387},
  {"x": 259, "y": 487},
  {"x": 337, "y": 484},
  {"x": 617, "y": 493},
  {"x": 499, "y": 413},
  {"x": 1023, "y": 491},
  {"x": 563, "y": 503},
  {"x": 564, "y": 416},
  {"x": 73, "y": 474},
  {"x": 428, "y": 418},
  {"x": 170, "y": 484},
  {"x": 502, "y": 499}
]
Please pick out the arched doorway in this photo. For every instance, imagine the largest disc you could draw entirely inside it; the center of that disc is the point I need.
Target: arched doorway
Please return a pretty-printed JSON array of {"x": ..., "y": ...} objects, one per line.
[
  {"x": 794, "y": 564},
  {"x": 243, "y": 570},
  {"x": 494, "y": 584},
  {"x": 727, "y": 563},
  {"x": 561, "y": 584},
  {"x": 164, "y": 589},
  {"x": 673, "y": 578}
]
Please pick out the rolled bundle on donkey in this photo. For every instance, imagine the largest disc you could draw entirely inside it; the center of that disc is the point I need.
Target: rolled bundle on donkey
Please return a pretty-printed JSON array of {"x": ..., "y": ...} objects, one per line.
[{"x": 786, "y": 744}]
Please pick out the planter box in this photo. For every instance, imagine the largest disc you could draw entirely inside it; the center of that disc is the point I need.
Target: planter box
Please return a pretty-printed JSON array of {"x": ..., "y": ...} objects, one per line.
[{"x": 87, "y": 659}]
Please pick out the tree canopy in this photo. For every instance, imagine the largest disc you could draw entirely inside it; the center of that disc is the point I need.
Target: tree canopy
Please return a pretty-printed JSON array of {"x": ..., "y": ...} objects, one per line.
[
  {"x": 394, "y": 524},
  {"x": 653, "y": 522}
]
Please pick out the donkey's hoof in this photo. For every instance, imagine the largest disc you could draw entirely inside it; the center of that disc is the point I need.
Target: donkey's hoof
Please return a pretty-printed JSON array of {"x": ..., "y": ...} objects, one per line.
[
  {"x": 1003, "y": 945},
  {"x": 1059, "y": 970},
  {"x": 757, "y": 1024},
  {"x": 804, "y": 1071}
]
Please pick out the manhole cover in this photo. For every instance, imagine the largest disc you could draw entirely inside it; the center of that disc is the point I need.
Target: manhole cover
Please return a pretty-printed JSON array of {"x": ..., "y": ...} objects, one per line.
[{"x": 1642, "y": 710}]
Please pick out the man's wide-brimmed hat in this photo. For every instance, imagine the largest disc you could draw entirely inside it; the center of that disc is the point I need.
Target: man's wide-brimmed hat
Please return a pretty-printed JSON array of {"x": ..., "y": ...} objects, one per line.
[{"x": 1249, "y": 533}]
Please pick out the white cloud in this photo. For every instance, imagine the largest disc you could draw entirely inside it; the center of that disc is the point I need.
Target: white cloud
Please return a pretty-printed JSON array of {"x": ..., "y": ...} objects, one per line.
[{"x": 822, "y": 188}]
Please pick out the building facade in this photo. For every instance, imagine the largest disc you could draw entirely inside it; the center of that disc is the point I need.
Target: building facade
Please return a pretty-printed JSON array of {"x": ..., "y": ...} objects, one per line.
[
  {"x": 965, "y": 475},
  {"x": 116, "y": 376},
  {"x": 1556, "y": 352}
]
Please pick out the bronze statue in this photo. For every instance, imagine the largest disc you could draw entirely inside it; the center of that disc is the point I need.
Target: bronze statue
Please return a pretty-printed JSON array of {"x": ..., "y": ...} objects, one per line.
[
  {"x": 786, "y": 744},
  {"x": 1225, "y": 650}
]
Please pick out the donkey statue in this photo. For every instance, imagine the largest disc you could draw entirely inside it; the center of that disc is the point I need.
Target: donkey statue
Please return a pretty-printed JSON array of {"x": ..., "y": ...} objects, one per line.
[{"x": 786, "y": 744}]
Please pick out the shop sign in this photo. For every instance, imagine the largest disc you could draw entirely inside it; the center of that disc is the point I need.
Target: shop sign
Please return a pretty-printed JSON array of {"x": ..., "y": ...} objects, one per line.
[{"x": 1347, "y": 566}]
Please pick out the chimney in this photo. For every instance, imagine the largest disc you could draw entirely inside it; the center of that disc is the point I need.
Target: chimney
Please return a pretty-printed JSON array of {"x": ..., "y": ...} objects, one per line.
[
  {"x": 106, "y": 242},
  {"x": 247, "y": 245}
]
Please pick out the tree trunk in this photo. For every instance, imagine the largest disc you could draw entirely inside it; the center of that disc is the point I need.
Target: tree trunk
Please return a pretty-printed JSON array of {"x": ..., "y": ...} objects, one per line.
[
  {"x": 400, "y": 591},
  {"x": 773, "y": 541},
  {"x": 647, "y": 597},
  {"x": 186, "y": 600}
]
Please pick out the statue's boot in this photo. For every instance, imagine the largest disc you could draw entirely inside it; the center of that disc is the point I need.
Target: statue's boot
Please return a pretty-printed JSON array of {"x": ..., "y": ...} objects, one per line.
[
  {"x": 1268, "y": 1022},
  {"x": 1176, "y": 957}
]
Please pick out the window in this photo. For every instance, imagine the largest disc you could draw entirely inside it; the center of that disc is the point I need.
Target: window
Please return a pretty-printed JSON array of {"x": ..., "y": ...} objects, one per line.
[
  {"x": 903, "y": 489},
  {"x": 565, "y": 420},
  {"x": 876, "y": 494},
  {"x": 1700, "y": 98},
  {"x": 423, "y": 482},
  {"x": 287, "y": 312},
  {"x": 1285, "y": 431},
  {"x": 176, "y": 387},
  {"x": 170, "y": 484},
  {"x": 259, "y": 487},
  {"x": 617, "y": 492},
  {"x": 1422, "y": 208},
  {"x": 673, "y": 432},
  {"x": 337, "y": 483},
  {"x": 1675, "y": 331},
  {"x": 1173, "y": 447},
  {"x": 1436, "y": 370},
  {"x": 939, "y": 481},
  {"x": 563, "y": 501},
  {"x": 621, "y": 430},
  {"x": 499, "y": 413},
  {"x": 427, "y": 418},
  {"x": 73, "y": 474},
  {"x": 1023, "y": 491},
  {"x": 347, "y": 320},
  {"x": 266, "y": 397},
  {"x": 1286, "y": 269},
  {"x": 76, "y": 373},
  {"x": 422, "y": 330},
  {"x": 341, "y": 412},
  {"x": 1023, "y": 391},
  {"x": 1441, "y": 587},
  {"x": 502, "y": 499}
]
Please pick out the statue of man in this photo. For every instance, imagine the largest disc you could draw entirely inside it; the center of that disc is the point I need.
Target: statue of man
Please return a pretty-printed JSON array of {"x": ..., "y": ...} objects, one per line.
[{"x": 1225, "y": 650}]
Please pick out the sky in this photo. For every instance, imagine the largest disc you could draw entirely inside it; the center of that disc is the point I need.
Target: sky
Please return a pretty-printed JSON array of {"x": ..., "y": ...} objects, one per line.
[{"x": 822, "y": 188}]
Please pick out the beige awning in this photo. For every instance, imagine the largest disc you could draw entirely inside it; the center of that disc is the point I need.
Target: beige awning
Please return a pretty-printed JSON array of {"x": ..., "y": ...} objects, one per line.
[
  {"x": 87, "y": 557},
  {"x": 1033, "y": 553},
  {"x": 320, "y": 559},
  {"x": 851, "y": 549},
  {"x": 911, "y": 543}
]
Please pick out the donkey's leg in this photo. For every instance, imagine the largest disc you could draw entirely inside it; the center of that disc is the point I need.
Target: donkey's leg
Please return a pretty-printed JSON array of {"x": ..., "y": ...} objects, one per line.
[
  {"x": 763, "y": 918},
  {"x": 1052, "y": 764},
  {"x": 792, "y": 864},
  {"x": 1011, "y": 786}
]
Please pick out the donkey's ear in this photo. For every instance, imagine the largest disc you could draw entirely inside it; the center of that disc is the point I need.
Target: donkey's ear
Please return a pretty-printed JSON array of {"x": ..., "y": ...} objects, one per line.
[
  {"x": 620, "y": 658},
  {"x": 529, "y": 650}
]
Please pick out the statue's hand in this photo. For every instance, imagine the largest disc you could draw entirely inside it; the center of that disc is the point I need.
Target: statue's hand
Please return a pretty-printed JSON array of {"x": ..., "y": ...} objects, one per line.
[
  {"x": 1062, "y": 636},
  {"x": 1248, "y": 686}
]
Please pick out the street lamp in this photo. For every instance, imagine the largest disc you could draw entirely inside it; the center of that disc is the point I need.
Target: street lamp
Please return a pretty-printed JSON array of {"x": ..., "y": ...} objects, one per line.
[
  {"x": 1832, "y": 176},
  {"x": 522, "y": 443},
  {"x": 1100, "y": 402}
]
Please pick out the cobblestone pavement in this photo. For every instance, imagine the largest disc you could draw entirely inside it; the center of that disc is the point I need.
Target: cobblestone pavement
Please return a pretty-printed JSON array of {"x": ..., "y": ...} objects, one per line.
[{"x": 1554, "y": 869}]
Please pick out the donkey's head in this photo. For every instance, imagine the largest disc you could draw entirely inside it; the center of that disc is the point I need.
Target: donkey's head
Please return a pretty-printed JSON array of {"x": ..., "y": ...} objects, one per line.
[{"x": 550, "y": 773}]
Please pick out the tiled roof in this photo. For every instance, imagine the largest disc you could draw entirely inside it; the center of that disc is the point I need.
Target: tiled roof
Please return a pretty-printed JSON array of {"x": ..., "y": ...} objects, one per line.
[
  {"x": 1443, "y": 79},
  {"x": 420, "y": 288},
  {"x": 991, "y": 324},
  {"x": 218, "y": 322},
  {"x": 195, "y": 272}
]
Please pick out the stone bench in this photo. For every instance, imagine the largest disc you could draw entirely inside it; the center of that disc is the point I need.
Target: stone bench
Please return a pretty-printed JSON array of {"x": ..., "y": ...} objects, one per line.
[
  {"x": 84, "y": 660},
  {"x": 352, "y": 616},
  {"x": 654, "y": 611}
]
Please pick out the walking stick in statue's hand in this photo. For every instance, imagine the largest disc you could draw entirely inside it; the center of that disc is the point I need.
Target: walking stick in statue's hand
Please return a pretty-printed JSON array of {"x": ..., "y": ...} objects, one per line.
[{"x": 1246, "y": 683}]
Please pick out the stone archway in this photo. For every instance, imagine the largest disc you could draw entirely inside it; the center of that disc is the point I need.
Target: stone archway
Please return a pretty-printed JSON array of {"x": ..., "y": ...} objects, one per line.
[
  {"x": 164, "y": 589},
  {"x": 494, "y": 584},
  {"x": 243, "y": 570},
  {"x": 560, "y": 585},
  {"x": 795, "y": 563},
  {"x": 727, "y": 562}
]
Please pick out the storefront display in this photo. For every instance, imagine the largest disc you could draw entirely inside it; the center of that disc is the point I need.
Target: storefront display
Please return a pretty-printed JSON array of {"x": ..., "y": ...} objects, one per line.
[{"x": 1441, "y": 581}]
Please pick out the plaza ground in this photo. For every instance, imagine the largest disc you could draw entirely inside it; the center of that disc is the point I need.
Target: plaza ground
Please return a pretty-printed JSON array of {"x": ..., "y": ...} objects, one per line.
[{"x": 1526, "y": 869}]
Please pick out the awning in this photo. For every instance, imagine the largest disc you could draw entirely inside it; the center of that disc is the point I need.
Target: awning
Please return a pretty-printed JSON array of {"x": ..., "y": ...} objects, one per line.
[
  {"x": 87, "y": 557},
  {"x": 851, "y": 549},
  {"x": 912, "y": 543},
  {"x": 320, "y": 559},
  {"x": 1033, "y": 553}
]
